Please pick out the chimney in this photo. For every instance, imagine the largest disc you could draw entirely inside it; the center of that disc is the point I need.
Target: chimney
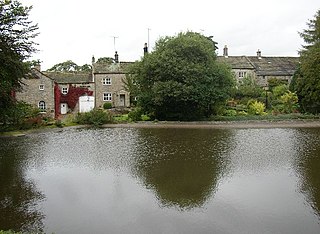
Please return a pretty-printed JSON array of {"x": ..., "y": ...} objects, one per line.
[
  {"x": 37, "y": 65},
  {"x": 93, "y": 60},
  {"x": 116, "y": 57},
  {"x": 225, "y": 51},
  {"x": 259, "y": 54},
  {"x": 145, "y": 49}
]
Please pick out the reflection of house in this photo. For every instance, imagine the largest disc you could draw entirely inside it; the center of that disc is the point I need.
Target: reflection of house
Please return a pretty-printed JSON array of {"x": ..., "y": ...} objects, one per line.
[{"x": 261, "y": 68}]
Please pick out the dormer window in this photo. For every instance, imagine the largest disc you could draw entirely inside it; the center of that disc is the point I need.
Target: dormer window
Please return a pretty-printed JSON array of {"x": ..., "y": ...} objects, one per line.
[
  {"x": 106, "y": 81},
  {"x": 41, "y": 87},
  {"x": 64, "y": 90}
]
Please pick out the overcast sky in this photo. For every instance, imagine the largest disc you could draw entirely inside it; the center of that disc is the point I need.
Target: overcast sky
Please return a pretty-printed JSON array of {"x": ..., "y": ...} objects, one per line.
[{"x": 76, "y": 29}]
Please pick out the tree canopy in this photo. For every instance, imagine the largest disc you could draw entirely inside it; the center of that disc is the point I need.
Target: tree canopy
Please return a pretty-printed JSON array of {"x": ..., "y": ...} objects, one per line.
[
  {"x": 16, "y": 45},
  {"x": 307, "y": 79},
  {"x": 70, "y": 66},
  {"x": 181, "y": 78}
]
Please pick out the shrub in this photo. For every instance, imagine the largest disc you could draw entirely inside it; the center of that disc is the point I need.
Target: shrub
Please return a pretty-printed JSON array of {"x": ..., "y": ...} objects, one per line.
[
  {"x": 135, "y": 114},
  {"x": 95, "y": 117},
  {"x": 230, "y": 112},
  {"x": 107, "y": 105},
  {"x": 256, "y": 108}
]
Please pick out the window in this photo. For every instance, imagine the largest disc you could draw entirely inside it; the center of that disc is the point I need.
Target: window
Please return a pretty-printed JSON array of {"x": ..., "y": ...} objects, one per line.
[
  {"x": 242, "y": 74},
  {"x": 64, "y": 90},
  {"x": 42, "y": 105},
  {"x": 106, "y": 81},
  {"x": 107, "y": 97},
  {"x": 41, "y": 87}
]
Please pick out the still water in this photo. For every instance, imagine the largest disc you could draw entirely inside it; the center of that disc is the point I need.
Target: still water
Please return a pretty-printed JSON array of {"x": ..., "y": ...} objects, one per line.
[{"x": 123, "y": 180}]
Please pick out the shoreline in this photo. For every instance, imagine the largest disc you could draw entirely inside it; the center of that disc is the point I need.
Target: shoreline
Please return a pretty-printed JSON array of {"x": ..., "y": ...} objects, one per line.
[
  {"x": 246, "y": 124},
  {"x": 242, "y": 124}
]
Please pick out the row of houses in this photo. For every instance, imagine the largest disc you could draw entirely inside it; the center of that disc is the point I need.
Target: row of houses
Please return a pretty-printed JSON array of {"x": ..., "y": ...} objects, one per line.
[{"x": 58, "y": 93}]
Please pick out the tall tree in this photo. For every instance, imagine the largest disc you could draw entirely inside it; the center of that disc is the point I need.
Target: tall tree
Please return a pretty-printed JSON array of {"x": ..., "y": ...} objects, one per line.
[
  {"x": 16, "y": 45},
  {"x": 307, "y": 80},
  {"x": 181, "y": 78}
]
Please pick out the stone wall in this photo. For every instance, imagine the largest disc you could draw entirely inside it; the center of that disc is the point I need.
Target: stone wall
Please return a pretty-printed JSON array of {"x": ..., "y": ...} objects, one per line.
[
  {"x": 120, "y": 97},
  {"x": 32, "y": 92}
]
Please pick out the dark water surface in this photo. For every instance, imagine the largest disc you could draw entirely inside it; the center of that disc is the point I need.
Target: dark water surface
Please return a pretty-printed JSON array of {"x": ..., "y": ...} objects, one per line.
[{"x": 162, "y": 181}]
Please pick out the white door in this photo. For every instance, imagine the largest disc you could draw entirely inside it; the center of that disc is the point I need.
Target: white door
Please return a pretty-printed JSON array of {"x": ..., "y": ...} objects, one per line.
[
  {"x": 122, "y": 100},
  {"x": 86, "y": 103},
  {"x": 63, "y": 108}
]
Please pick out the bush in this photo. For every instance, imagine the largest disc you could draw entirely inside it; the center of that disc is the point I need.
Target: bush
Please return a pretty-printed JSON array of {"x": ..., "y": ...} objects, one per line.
[
  {"x": 107, "y": 105},
  {"x": 96, "y": 117},
  {"x": 256, "y": 108},
  {"x": 230, "y": 112},
  {"x": 135, "y": 114}
]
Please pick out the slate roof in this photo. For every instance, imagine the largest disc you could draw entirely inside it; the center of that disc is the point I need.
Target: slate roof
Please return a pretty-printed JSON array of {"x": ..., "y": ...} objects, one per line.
[
  {"x": 115, "y": 68},
  {"x": 275, "y": 66},
  {"x": 70, "y": 77},
  {"x": 236, "y": 62},
  {"x": 265, "y": 66}
]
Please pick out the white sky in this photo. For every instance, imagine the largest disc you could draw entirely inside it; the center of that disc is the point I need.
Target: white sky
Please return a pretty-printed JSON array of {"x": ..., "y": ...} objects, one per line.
[{"x": 76, "y": 29}]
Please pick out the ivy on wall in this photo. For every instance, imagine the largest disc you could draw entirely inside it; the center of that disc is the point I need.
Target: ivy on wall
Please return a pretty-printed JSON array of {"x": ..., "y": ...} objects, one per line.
[{"x": 71, "y": 98}]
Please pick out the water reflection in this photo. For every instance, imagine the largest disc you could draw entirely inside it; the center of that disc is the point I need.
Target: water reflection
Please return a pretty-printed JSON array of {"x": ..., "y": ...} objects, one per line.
[
  {"x": 182, "y": 171},
  {"x": 308, "y": 166},
  {"x": 19, "y": 198}
]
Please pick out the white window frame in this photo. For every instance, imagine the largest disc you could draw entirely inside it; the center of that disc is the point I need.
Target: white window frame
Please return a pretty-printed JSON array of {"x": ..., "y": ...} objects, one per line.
[
  {"x": 242, "y": 74},
  {"x": 106, "y": 81},
  {"x": 42, "y": 105},
  {"x": 41, "y": 86},
  {"x": 64, "y": 90},
  {"x": 107, "y": 97}
]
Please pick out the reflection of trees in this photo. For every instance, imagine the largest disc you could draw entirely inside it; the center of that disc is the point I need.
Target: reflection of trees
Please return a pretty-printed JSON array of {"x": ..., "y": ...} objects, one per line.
[
  {"x": 182, "y": 166},
  {"x": 308, "y": 166},
  {"x": 18, "y": 196}
]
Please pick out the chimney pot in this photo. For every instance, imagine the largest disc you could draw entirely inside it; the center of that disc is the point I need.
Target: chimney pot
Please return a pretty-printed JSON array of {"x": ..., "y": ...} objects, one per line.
[
  {"x": 225, "y": 51},
  {"x": 259, "y": 54},
  {"x": 116, "y": 57},
  {"x": 145, "y": 49}
]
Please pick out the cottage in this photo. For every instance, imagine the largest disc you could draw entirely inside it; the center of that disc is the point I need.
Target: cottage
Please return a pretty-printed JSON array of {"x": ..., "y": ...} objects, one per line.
[
  {"x": 38, "y": 90},
  {"x": 109, "y": 83},
  {"x": 261, "y": 68}
]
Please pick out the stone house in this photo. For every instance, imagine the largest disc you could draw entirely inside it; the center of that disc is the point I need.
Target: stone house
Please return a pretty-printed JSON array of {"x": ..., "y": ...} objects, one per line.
[
  {"x": 109, "y": 83},
  {"x": 38, "y": 90},
  {"x": 260, "y": 67},
  {"x": 58, "y": 93}
]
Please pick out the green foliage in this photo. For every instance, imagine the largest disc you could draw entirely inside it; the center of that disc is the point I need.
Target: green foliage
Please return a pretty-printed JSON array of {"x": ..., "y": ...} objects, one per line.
[
  {"x": 256, "y": 107},
  {"x": 274, "y": 82},
  {"x": 9, "y": 232},
  {"x": 107, "y": 105},
  {"x": 135, "y": 114},
  {"x": 307, "y": 82},
  {"x": 16, "y": 45},
  {"x": 20, "y": 116},
  {"x": 280, "y": 90},
  {"x": 181, "y": 79},
  {"x": 107, "y": 60},
  {"x": 70, "y": 66},
  {"x": 290, "y": 102},
  {"x": 248, "y": 88},
  {"x": 96, "y": 117}
]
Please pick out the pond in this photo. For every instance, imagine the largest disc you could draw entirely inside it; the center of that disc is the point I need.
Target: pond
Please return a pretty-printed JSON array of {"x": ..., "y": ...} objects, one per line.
[{"x": 162, "y": 180}]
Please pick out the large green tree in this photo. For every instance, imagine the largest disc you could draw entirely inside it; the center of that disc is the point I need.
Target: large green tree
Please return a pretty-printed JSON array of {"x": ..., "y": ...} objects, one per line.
[
  {"x": 16, "y": 45},
  {"x": 307, "y": 78},
  {"x": 70, "y": 66},
  {"x": 181, "y": 79}
]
